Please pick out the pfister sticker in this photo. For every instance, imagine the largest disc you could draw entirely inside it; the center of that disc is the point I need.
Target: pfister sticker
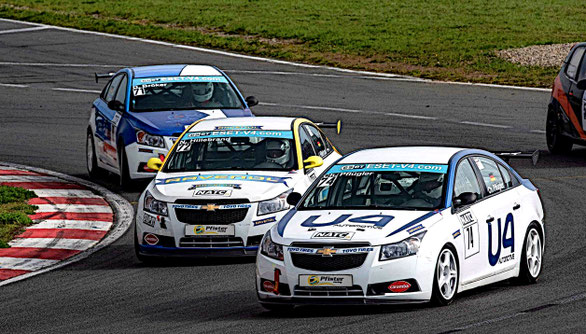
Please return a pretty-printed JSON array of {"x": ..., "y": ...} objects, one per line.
[
  {"x": 325, "y": 280},
  {"x": 205, "y": 230}
]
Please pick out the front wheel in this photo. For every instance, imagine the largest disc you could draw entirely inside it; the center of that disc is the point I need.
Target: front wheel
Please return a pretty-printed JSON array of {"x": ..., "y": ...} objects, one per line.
[
  {"x": 446, "y": 278},
  {"x": 556, "y": 142},
  {"x": 91, "y": 159},
  {"x": 531, "y": 257}
]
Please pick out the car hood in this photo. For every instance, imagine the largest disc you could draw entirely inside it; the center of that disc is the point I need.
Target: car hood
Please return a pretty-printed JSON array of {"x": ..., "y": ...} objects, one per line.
[
  {"x": 374, "y": 226},
  {"x": 251, "y": 185},
  {"x": 168, "y": 123}
]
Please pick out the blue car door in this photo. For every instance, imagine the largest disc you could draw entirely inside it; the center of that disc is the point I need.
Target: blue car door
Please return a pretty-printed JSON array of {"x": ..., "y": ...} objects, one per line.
[{"x": 107, "y": 119}]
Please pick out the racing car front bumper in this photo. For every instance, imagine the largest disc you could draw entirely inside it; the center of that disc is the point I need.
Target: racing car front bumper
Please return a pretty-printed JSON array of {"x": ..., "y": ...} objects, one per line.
[{"x": 370, "y": 281}]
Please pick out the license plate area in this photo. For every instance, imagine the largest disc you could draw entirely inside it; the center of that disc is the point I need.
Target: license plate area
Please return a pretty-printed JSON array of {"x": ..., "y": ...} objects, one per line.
[
  {"x": 209, "y": 230},
  {"x": 331, "y": 281}
]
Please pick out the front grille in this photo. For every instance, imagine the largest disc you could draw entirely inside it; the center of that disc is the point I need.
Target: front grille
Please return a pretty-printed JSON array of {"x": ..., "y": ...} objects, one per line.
[
  {"x": 217, "y": 217},
  {"x": 254, "y": 240},
  {"x": 334, "y": 263},
  {"x": 211, "y": 242},
  {"x": 354, "y": 290}
]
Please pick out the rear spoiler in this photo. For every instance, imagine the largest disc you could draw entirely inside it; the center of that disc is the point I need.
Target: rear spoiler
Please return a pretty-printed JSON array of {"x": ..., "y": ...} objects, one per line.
[
  {"x": 506, "y": 156},
  {"x": 337, "y": 125},
  {"x": 103, "y": 75}
]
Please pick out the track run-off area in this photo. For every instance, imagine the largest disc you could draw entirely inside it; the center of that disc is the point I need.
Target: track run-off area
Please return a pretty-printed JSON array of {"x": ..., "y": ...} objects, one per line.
[{"x": 47, "y": 87}]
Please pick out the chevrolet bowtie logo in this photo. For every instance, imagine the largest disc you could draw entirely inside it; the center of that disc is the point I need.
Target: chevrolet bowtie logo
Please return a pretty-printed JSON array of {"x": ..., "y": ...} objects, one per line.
[
  {"x": 327, "y": 251},
  {"x": 210, "y": 207}
]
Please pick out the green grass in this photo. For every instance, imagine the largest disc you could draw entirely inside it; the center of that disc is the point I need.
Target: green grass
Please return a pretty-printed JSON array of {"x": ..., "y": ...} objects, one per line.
[
  {"x": 447, "y": 40},
  {"x": 13, "y": 212}
]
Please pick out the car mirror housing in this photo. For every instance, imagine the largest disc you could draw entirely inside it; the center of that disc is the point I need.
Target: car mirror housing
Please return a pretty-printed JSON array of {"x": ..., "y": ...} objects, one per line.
[
  {"x": 293, "y": 198},
  {"x": 155, "y": 164},
  {"x": 312, "y": 162},
  {"x": 116, "y": 105},
  {"x": 251, "y": 101},
  {"x": 465, "y": 198}
]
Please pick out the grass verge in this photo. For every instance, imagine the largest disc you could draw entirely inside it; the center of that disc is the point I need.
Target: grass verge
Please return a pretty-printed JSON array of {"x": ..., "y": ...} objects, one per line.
[
  {"x": 13, "y": 212},
  {"x": 445, "y": 40}
]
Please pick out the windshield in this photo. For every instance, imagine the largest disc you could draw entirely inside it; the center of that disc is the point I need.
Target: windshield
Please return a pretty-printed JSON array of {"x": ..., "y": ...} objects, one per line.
[
  {"x": 233, "y": 149},
  {"x": 388, "y": 186},
  {"x": 183, "y": 93}
]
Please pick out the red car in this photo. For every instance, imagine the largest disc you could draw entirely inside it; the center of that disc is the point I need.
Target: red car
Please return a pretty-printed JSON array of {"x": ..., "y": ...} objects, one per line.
[{"x": 566, "y": 114}]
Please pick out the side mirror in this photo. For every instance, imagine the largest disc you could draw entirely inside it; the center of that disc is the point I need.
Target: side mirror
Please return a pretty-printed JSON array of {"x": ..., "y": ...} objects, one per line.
[
  {"x": 155, "y": 164},
  {"x": 293, "y": 198},
  {"x": 251, "y": 101},
  {"x": 116, "y": 105},
  {"x": 465, "y": 199},
  {"x": 312, "y": 162},
  {"x": 581, "y": 84}
]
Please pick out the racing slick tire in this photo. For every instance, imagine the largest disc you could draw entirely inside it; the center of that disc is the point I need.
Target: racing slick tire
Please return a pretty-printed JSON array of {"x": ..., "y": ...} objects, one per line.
[
  {"x": 277, "y": 308},
  {"x": 557, "y": 143},
  {"x": 91, "y": 159},
  {"x": 125, "y": 180},
  {"x": 446, "y": 277},
  {"x": 531, "y": 256}
]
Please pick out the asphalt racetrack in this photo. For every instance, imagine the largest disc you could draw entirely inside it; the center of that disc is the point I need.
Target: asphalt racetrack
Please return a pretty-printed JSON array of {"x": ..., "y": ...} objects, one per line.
[{"x": 46, "y": 90}]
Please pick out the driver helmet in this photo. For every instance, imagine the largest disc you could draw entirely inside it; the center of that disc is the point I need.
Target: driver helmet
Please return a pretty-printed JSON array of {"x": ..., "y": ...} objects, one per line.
[
  {"x": 430, "y": 184},
  {"x": 277, "y": 151},
  {"x": 202, "y": 91}
]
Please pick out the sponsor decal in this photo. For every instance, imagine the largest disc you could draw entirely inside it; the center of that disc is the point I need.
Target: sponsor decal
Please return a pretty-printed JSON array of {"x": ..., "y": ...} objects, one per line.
[
  {"x": 149, "y": 220},
  {"x": 268, "y": 286},
  {"x": 325, "y": 280},
  {"x": 507, "y": 258},
  {"x": 329, "y": 251},
  {"x": 471, "y": 233},
  {"x": 212, "y": 229},
  {"x": 507, "y": 242},
  {"x": 151, "y": 239},
  {"x": 399, "y": 286},
  {"x": 456, "y": 234},
  {"x": 186, "y": 78},
  {"x": 214, "y": 177},
  {"x": 376, "y": 220},
  {"x": 383, "y": 167},
  {"x": 211, "y": 206},
  {"x": 333, "y": 235},
  {"x": 264, "y": 221},
  {"x": 215, "y": 185},
  {"x": 213, "y": 192},
  {"x": 415, "y": 228},
  {"x": 248, "y": 127},
  {"x": 237, "y": 133}
]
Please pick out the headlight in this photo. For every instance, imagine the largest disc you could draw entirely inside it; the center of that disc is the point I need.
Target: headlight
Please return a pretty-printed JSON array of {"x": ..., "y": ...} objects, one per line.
[
  {"x": 154, "y": 206},
  {"x": 273, "y": 205},
  {"x": 407, "y": 247},
  {"x": 149, "y": 140},
  {"x": 271, "y": 249}
]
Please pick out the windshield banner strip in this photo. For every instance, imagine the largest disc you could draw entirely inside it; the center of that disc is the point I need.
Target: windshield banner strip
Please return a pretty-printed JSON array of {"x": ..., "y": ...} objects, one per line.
[
  {"x": 211, "y": 207},
  {"x": 238, "y": 133},
  {"x": 330, "y": 251},
  {"x": 384, "y": 167},
  {"x": 187, "y": 78},
  {"x": 214, "y": 177}
]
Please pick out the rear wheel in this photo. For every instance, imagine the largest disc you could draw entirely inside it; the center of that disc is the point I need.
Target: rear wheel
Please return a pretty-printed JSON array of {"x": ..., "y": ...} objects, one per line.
[
  {"x": 556, "y": 142},
  {"x": 447, "y": 274},
  {"x": 532, "y": 256},
  {"x": 91, "y": 159}
]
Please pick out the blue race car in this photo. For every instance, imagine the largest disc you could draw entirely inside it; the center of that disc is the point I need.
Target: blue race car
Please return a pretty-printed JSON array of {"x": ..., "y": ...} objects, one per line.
[{"x": 142, "y": 110}]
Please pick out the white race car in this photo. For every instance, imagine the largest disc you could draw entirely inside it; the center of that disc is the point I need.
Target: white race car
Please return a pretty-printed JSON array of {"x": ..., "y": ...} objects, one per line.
[
  {"x": 404, "y": 224},
  {"x": 224, "y": 184}
]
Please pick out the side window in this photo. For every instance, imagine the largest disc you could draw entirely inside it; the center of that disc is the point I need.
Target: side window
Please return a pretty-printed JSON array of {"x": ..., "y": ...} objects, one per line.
[
  {"x": 121, "y": 95},
  {"x": 465, "y": 180},
  {"x": 572, "y": 67},
  {"x": 105, "y": 90},
  {"x": 306, "y": 145},
  {"x": 111, "y": 92},
  {"x": 490, "y": 174},
  {"x": 506, "y": 176},
  {"x": 317, "y": 139}
]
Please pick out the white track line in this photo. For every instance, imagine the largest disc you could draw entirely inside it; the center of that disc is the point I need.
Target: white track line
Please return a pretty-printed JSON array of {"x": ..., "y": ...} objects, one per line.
[
  {"x": 13, "y": 63},
  {"x": 488, "y": 125},
  {"x": 13, "y": 85},
  {"x": 28, "y": 178},
  {"x": 274, "y": 61},
  {"x": 75, "y": 244},
  {"x": 65, "y": 193},
  {"x": 75, "y": 90},
  {"x": 71, "y": 224},
  {"x": 79, "y": 208},
  {"x": 538, "y": 131},
  {"x": 12, "y": 31},
  {"x": 30, "y": 264}
]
